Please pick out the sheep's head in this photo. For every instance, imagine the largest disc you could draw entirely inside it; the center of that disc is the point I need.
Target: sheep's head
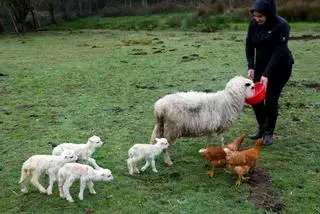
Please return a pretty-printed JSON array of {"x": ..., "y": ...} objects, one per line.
[
  {"x": 105, "y": 174},
  {"x": 162, "y": 142},
  {"x": 244, "y": 85},
  {"x": 69, "y": 155},
  {"x": 95, "y": 141}
]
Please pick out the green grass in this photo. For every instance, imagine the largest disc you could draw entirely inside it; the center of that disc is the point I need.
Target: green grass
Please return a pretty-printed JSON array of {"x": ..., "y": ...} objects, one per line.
[{"x": 66, "y": 86}]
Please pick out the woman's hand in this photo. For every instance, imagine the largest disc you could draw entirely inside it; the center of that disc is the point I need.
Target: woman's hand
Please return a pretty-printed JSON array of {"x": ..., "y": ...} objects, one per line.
[
  {"x": 264, "y": 81},
  {"x": 251, "y": 74}
]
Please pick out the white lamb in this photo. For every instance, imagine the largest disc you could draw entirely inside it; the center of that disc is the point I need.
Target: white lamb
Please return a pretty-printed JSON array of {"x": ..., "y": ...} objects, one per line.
[
  {"x": 86, "y": 174},
  {"x": 36, "y": 164},
  {"x": 197, "y": 114},
  {"x": 83, "y": 151},
  {"x": 146, "y": 151}
]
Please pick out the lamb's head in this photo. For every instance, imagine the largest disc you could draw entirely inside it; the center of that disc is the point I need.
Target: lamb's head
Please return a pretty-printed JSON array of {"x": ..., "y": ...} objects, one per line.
[
  {"x": 162, "y": 142},
  {"x": 104, "y": 174},
  {"x": 240, "y": 85},
  {"x": 68, "y": 155},
  {"x": 95, "y": 141}
]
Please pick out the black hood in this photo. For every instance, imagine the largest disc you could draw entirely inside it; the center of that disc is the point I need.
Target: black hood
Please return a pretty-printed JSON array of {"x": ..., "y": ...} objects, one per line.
[{"x": 266, "y": 7}]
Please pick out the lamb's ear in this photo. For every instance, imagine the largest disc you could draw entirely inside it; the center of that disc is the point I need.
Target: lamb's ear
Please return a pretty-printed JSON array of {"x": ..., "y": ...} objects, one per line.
[{"x": 157, "y": 139}]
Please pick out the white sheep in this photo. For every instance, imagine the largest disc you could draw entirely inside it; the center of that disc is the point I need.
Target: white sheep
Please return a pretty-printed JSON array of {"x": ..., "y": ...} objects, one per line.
[
  {"x": 86, "y": 174},
  {"x": 147, "y": 152},
  {"x": 36, "y": 164},
  {"x": 83, "y": 151},
  {"x": 197, "y": 114}
]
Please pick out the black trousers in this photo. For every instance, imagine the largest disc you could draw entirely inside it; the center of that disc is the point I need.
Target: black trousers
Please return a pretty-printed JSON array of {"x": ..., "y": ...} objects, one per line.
[{"x": 267, "y": 111}]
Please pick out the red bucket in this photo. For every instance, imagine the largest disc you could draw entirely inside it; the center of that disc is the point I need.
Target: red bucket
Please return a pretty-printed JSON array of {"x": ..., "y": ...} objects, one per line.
[{"x": 259, "y": 94}]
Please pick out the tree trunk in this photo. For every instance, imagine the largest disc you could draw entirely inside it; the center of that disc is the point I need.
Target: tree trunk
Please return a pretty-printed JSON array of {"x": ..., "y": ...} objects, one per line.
[
  {"x": 51, "y": 11},
  {"x": 80, "y": 7},
  {"x": 34, "y": 21}
]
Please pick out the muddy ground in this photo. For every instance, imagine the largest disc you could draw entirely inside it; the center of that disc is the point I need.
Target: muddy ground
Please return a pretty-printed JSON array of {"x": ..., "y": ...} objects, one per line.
[{"x": 262, "y": 194}]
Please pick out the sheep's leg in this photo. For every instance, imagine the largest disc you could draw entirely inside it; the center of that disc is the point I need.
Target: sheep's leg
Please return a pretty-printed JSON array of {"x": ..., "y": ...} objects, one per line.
[
  {"x": 35, "y": 182},
  {"x": 91, "y": 189},
  {"x": 83, "y": 184},
  {"x": 166, "y": 157},
  {"x": 153, "y": 165},
  {"x": 93, "y": 163},
  {"x": 66, "y": 187},
  {"x": 154, "y": 135},
  {"x": 52, "y": 179},
  {"x": 146, "y": 165}
]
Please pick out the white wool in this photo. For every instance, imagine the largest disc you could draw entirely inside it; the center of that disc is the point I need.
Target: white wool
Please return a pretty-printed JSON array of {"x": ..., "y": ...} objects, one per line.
[
  {"x": 37, "y": 164},
  {"x": 74, "y": 171},
  {"x": 196, "y": 114},
  {"x": 83, "y": 151},
  {"x": 145, "y": 151}
]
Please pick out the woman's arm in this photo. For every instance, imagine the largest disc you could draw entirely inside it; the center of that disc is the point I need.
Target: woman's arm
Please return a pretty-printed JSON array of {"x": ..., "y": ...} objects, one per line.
[
  {"x": 280, "y": 39},
  {"x": 250, "y": 48}
]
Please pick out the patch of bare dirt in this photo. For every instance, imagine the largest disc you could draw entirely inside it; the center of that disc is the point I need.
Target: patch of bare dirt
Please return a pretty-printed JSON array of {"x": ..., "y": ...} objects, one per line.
[
  {"x": 135, "y": 42},
  {"x": 315, "y": 86},
  {"x": 262, "y": 194},
  {"x": 305, "y": 37}
]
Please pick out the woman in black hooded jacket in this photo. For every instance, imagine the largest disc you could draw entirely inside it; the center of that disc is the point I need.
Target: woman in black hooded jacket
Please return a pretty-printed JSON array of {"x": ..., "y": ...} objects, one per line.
[{"x": 269, "y": 61}]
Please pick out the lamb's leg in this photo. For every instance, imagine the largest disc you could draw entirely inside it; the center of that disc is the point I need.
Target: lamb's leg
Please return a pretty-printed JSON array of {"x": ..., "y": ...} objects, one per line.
[
  {"x": 93, "y": 163},
  {"x": 166, "y": 157},
  {"x": 130, "y": 166},
  {"x": 91, "y": 189},
  {"x": 60, "y": 184},
  {"x": 66, "y": 187},
  {"x": 24, "y": 187},
  {"x": 83, "y": 184},
  {"x": 26, "y": 178},
  {"x": 52, "y": 179},
  {"x": 35, "y": 181},
  {"x": 134, "y": 165},
  {"x": 153, "y": 165},
  {"x": 146, "y": 165}
]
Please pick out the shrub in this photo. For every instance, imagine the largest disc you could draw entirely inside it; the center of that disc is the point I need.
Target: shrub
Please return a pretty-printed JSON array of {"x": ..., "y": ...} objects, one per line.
[
  {"x": 240, "y": 15},
  {"x": 174, "y": 22},
  {"x": 208, "y": 24},
  {"x": 210, "y": 9},
  {"x": 147, "y": 24},
  {"x": 70, "y": 16},
  {"x": 300, "y": 11}
]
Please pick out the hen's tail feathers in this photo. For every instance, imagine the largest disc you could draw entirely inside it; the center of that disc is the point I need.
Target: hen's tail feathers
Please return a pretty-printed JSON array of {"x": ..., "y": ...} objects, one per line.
[{"x": 202, "y": 150}]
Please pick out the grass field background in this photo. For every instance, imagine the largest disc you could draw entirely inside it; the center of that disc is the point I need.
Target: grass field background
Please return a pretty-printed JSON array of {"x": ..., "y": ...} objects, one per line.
[{"x": 67, "y": 86}]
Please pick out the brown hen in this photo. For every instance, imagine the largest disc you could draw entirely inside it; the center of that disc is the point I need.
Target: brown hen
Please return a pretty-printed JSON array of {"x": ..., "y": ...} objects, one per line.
[
  {"x": 242, "y": 161},
  {"x": 217, "y": 156}
]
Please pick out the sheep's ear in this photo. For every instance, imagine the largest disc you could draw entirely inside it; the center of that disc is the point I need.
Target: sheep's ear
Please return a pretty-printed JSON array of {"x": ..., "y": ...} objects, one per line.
[{"x": 157, "y": 139}]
